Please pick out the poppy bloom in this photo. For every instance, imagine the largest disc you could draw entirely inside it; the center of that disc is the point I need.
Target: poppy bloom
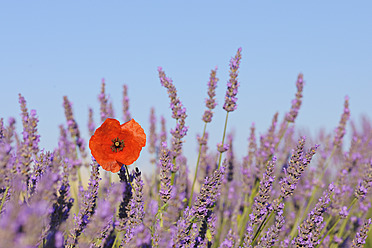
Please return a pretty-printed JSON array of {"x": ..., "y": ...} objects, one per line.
[{"x": 113, "y": 145}]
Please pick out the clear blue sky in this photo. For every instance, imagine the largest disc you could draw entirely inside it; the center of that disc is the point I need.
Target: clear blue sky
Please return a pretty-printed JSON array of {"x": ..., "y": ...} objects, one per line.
[{"x": 49, "y": 49}]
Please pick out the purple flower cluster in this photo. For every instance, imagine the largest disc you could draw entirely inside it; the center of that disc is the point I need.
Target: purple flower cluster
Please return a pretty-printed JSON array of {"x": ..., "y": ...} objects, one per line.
[
  {"x": 210, "y": 102},
  {"x": 310, "y": 230},
  {"x": 126, "y": 113},
  {"x": 233, "y": 84},
  {"x": 340, "y": 130},
  {"x": 297, "y": 164},
  {"x": 296, "y": 103},
  {"x": 178, "y": 113}
]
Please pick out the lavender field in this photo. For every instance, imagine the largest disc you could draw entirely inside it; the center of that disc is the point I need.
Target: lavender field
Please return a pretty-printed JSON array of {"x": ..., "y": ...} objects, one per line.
[{"x": 287, "y": 191}]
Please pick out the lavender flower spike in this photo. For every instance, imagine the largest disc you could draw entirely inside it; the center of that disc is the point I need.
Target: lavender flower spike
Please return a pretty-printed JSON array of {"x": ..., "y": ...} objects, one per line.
[
  {"x": 178, "y": 113},
  {"x": 361, "y": 235},
  {"x": 210, "y": 102},
  {"x": 362, "y": 190},
  {"x": 296, "y": 103},
  {"x": 309, "y": 231},
  {"x": 340, "y": 130},
  {"x": 233, "y": 84},
  {"x": 126, "y": 112},
  {"x": 165, "y": 180},
  {"x": 297, "y": 164}
]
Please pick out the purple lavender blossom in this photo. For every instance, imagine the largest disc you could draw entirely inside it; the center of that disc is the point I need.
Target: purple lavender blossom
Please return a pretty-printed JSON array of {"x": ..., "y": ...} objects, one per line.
[
  {"x": 272, "y": 234},
  {"x": 73, "y": 127},
  {"x": 163, "y": 133},
  {"x": 233, "y": 84},
  {"x": 135, "y": 209},
  {"x": 340, "y": 131},
  {"x": 89, "y": 206},
  {"x": 165, "y": 180},
  {"x": 152, "y": 137},
  {"x": 103, "y": 102},
  {"x": 91, "y": 125},
  {"x": 126, "y": 113},
  {"x": 261, "y": 201},
  {"x": 296, "y": 103},
  {"x": 297, "y": 164},
  {"x": 178, "y": 113},
  {"x": 126, "y": 195},
  {"x": 361, "y": 235},
  {"x": 210, "y": 102},
  {"x": 308, "y": 231},
  {"x": 222, "y": 148},
  {"x": 362, "y": 190}
]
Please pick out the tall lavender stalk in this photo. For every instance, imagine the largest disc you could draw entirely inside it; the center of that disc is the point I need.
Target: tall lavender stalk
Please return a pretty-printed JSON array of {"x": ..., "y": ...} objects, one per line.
[
  {"x": 179, "y": 114},
  {"x": 126, "y": 113},
  {"x": 230, "y": 98},
  {"x": 88, "y": 208},
  {"x": 207, "y": 118}
]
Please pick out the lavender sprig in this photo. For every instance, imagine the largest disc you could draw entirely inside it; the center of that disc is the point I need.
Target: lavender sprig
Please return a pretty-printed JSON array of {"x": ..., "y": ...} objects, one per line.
[
  {"x": 179, "y": 114},
  {"x": 210, "y": 102},
  {"x": 297, "y": 164},
  {"x": 340, "y": 130},
  {"x": 233, "y": 84},
  {"x": 230, "y": 98},
  {"x": 126, "y": 113},
  {"x": 89, "y": 206},
  {"x": 361, "y": 235},
  {"x": 309, "y": 230},
  {"x": 165, "y": 171},
  {"x": 296, "y": 103},
  {"x": 153, "y": 137}
]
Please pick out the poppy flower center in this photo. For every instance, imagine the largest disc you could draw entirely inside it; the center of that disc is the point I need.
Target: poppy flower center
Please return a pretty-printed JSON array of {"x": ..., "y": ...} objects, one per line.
[{"x": 117, "y": 145}]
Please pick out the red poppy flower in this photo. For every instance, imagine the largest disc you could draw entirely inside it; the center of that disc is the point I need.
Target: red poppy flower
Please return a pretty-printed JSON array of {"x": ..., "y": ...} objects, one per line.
[{"x": 113, "y": 145}]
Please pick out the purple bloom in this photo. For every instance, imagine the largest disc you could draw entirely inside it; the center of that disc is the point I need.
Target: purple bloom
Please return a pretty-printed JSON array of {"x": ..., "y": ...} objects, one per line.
[
  {"x": 126, "y": 112},
  {"x": 179, "y": 113},
  {"x": 297, "y": 164},
  {"x": 91, "y": 125},
  {"x": 232, "y": 84},
  {"x": 361, "y": 235},
  {"x": 89, "y": 206},
  {"x": 364, "y": 185},
  {"x": 165, "y": 171},
  {"x": 211, "y": 102},
  {"x": 309, "y": 231},
  {"x": 152, "y": 137},
  {"x": 340, "y": 130},
  {"x": 296, "y": 103}
]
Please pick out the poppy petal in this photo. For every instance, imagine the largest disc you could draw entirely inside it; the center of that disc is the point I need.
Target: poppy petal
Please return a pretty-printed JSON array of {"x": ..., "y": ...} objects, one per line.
[
  {"x": 134, "y": 139},
  {"x": 100, "y": 143}
]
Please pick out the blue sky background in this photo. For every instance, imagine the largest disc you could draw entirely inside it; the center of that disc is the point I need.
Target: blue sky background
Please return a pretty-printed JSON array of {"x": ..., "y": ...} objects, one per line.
[{"x": 49, "y": 49}]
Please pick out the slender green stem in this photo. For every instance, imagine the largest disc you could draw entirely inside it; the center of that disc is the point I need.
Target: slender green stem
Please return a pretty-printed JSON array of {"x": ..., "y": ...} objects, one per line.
[
  {"x": 223, "y": 139},
  {"x": 197, "y": 166},
  {"x": 173, "y": 173},
  {"x": 4, "y": 197}
]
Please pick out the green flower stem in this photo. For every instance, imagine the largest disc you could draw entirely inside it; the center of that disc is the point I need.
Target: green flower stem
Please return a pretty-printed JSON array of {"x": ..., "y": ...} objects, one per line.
[
  {"x": 197, "y": 167},
  {"x": 173, "y": 173},
  {"x": 4, "y": 197},
  {"x": 223, "y": 139}
]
